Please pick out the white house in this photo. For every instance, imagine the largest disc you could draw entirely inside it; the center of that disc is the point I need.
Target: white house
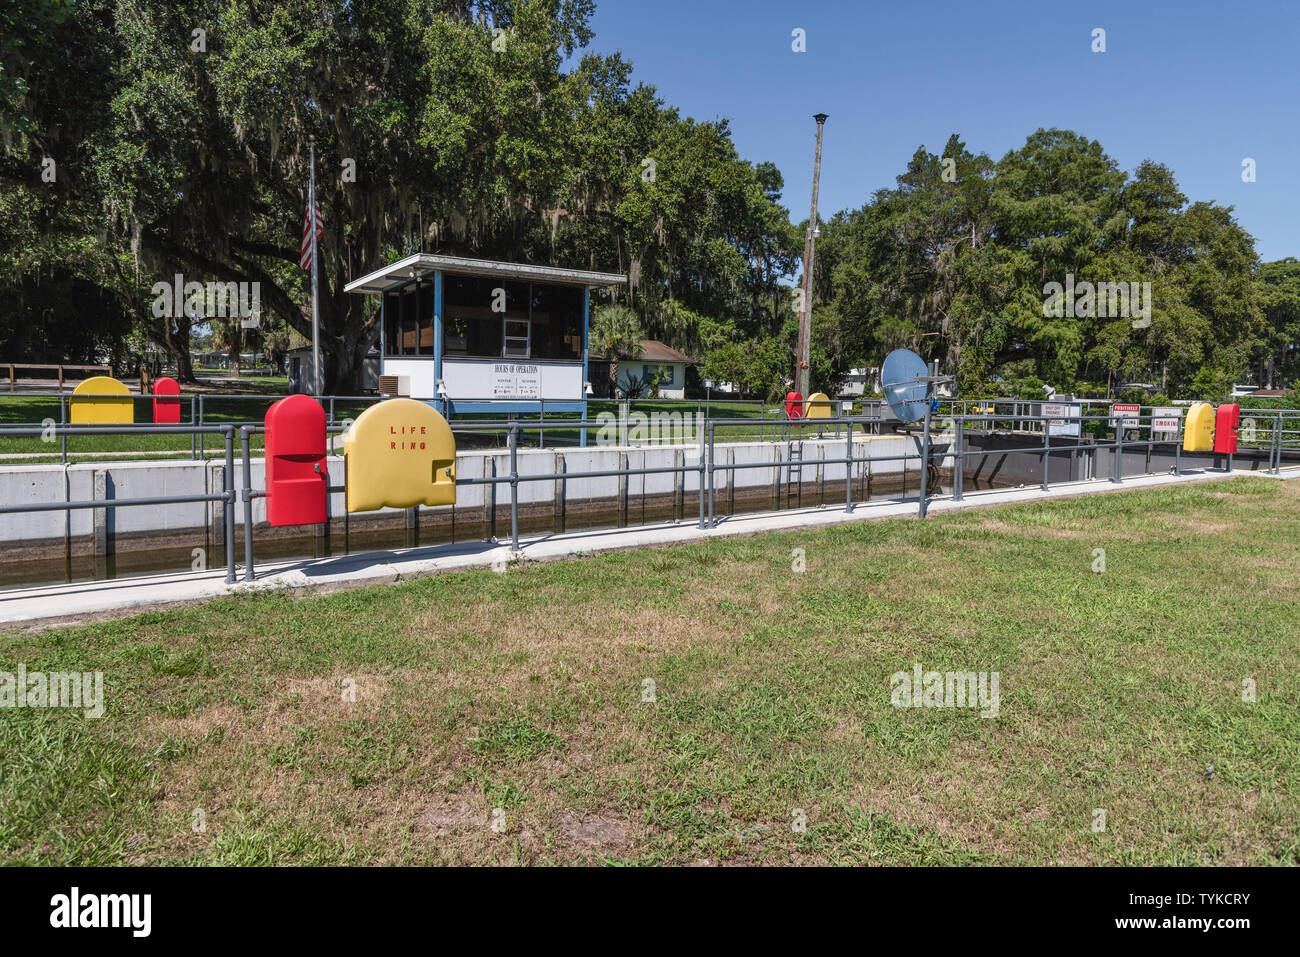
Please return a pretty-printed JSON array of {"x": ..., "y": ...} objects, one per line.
[{"x": 656, "y": 359}]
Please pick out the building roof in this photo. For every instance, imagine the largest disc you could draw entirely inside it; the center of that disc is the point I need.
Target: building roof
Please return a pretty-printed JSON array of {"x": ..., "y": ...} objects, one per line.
[
  {"x": 652, "y": 350},
  {"x": 1269, "y": 393},
  {"x": 421, "y": 265}
]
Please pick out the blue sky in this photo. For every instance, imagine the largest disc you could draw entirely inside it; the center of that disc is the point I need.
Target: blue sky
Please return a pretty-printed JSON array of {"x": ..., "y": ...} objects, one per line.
[{"x": 1198, "y": 86}]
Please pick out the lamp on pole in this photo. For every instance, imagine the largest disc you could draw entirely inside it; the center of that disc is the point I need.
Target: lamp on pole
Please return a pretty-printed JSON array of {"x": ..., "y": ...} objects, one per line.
[{"x": 805, "y": 304}]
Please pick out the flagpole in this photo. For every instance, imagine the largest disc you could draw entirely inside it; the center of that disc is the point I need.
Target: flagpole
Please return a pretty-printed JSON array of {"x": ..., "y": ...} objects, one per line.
[{"x": 315, "y": 312}]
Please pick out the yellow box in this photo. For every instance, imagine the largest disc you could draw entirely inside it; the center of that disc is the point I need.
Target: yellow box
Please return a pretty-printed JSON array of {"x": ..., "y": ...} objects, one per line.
[
  {"x": 399, "y": 453},
  {"x": 1198, "y": 431},
  {"x": 95, "y": 402}
]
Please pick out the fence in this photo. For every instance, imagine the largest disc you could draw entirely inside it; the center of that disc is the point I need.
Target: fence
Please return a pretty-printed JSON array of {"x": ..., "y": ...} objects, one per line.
[
  {"x": 226, "y": 496},
  {"x": 61, "y": 367},
  {"x": 203, "y": 410},
  {"x": 1281, "y": 436},
  {"x": 708, "y": 467}
]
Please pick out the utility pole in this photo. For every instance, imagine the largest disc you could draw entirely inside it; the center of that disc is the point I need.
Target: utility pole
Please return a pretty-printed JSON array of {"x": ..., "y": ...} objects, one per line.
[
  {"x": 805, "y": 311},
  {"x": 317, "y": 378}
]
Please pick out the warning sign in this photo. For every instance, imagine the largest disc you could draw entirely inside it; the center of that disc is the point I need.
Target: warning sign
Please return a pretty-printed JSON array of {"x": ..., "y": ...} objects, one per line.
[
  {"x": 1062, "y": 418},
  {"x": 1166, "y": 419},
  {"x": 1124, "y": 410}
]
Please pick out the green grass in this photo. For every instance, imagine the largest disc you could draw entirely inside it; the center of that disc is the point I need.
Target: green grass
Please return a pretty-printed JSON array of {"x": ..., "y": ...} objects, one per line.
[{"x": 523, "y": 692}]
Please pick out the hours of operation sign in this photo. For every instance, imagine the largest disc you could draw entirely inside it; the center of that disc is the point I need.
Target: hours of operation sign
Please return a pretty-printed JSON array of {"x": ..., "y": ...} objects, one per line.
[{"x": 516, "y": 380}]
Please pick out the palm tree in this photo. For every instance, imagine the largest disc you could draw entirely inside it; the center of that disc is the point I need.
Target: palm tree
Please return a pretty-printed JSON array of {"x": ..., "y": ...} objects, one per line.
[{"x": 616, "y": 332}]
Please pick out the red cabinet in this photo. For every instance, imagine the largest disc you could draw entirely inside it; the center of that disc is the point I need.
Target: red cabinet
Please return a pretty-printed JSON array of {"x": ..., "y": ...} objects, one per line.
[
  {"x": 166, "y": 410},
  {"x": 793, "y": 405},
  {"x": 1226, "y": 420},
  {"x": 296, "y": 479}
]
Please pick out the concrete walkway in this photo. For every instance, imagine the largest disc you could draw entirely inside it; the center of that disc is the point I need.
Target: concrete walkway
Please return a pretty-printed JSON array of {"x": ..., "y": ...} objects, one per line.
[{"x": 49, "y": 605}]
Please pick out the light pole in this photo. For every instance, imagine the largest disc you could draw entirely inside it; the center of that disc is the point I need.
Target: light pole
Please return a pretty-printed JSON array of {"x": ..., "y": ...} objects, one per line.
[{"x": 805, "y": 311}]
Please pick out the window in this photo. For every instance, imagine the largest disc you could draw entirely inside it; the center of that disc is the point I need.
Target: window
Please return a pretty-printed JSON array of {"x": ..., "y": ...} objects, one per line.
[
  {"x": 408, "y": 320},
  {"x": 539, "y": 321},
  {"x": 556, "y": 316},
  {"x": 665, "y": 373},
  {"x": 517, "y": 338}
]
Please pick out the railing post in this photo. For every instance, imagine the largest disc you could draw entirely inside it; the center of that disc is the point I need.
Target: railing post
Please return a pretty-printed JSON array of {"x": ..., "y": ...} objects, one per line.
[
  {"x": 248, "y": 504},
  {"x": 558, "y": 490},
  {"x": 706, "y": 477},
  {"x": 624, "y": 463},
  {"x": 925, "y": 465},
  {"x": 514, "y": 487},
  {"x": 490, "y": 500},
  {"x": 821, "y": 471},
  {"x": 959, "y": 458},
  {"x": 1117, "y": 467},
  {"x": 1047, "y": 452},
  {"x": 711, "y": 474},
  {"x": 228, "y": 483},
  {"x": 848, "y": 473},
  {"x": 200, "y": 424},
  {"x": 63, "y": 421}
]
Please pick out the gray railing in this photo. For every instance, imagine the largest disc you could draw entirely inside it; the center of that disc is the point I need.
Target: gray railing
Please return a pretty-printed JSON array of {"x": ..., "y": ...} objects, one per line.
[
  {"x": 226, "y": 496},
  {"x": 1281, "y": 435}
]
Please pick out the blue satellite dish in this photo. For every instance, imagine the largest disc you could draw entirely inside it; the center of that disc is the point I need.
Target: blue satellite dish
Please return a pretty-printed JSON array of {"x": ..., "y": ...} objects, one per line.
[{"x": 904, "y": 380}]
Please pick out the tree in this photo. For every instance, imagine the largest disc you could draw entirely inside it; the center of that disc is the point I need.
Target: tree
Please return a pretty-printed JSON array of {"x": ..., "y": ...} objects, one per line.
[
  {"x": 617, "y": 333},
  {"x": 440, "y": 125},
  {"x": 958, "y": 260},
  {"x": 1278, "y": 358}
]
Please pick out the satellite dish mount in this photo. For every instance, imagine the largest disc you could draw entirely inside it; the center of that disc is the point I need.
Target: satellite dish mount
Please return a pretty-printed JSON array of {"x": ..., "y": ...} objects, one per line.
[{"x": 909, "y": 388}]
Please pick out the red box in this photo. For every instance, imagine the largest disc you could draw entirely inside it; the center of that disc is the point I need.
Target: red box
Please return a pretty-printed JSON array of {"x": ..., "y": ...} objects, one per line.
[
  {"x": 793, "y": 405},
  {"x": 166, "y": 410},
  {"x": 297, "y": 484},
  {"x": 1226, "y": 420}
]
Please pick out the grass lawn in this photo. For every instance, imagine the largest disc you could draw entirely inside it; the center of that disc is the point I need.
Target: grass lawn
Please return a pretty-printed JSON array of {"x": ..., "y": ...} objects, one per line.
[{"x": 518, "y": 698}]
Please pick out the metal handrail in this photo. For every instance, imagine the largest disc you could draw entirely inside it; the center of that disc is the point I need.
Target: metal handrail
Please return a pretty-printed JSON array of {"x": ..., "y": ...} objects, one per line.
[
  {"x": 707, "y": 467},
  {"x": 227, "y": 496}
]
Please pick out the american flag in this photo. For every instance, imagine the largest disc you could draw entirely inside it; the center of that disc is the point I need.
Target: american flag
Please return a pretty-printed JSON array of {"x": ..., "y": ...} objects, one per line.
[{"x": 304, "y": 254}]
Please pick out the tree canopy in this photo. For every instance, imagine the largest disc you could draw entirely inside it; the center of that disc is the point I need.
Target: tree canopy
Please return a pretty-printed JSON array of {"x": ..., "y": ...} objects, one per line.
[
  {"x": 181, "y": 134},
  {"x": 143, "y": 139},
  {"x": 958, "y": 261}
]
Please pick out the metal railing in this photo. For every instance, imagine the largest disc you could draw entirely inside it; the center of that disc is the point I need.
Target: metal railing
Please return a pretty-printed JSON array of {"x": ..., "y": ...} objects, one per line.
[
  {"x": 204, "y": 410},
  {"x": 1280, "y": 436},
  {"x": 226, "y": 496}
]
